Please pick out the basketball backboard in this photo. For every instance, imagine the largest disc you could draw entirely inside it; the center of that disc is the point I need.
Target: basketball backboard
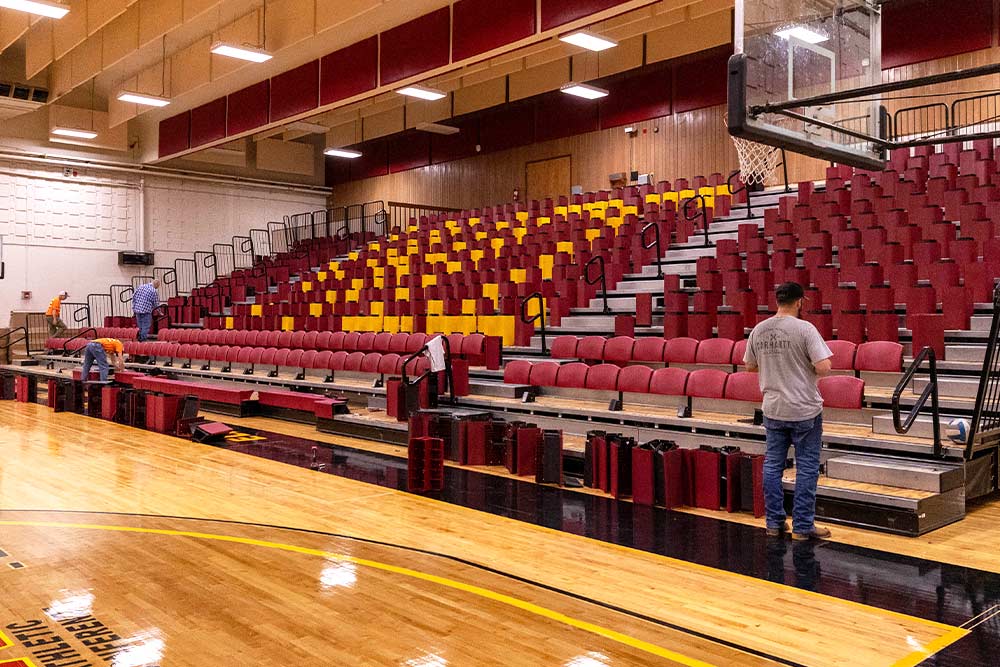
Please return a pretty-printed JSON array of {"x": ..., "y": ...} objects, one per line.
[{"x": 787, "y": 51}]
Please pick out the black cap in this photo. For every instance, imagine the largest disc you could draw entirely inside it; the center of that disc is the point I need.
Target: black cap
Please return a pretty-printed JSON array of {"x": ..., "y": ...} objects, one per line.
[{"x": 789, "y": 293}]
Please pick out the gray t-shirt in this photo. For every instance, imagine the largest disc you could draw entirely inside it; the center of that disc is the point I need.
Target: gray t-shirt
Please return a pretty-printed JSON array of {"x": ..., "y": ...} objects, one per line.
[{"x": 785, "y": 349}]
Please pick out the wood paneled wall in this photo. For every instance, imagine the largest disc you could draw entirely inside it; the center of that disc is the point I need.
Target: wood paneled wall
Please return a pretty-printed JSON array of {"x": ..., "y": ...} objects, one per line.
[{"x": 681, "y": 145}]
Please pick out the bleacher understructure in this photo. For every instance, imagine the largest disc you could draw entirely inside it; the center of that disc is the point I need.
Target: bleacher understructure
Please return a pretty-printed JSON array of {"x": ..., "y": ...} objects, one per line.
[{"x": 894, "y": 261}]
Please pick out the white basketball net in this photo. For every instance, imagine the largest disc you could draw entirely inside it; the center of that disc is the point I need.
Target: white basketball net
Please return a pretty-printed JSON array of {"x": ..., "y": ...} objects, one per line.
[{"x": 757, "y": 161}]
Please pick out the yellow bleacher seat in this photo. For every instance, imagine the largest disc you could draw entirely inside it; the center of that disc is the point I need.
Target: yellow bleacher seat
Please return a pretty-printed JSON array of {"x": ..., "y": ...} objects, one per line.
[
  {"x": 597, "y": 214},
  {"x": 229, "y": 323},
  {"x": 377, "y": 308},
  {"x": 519, "y": 234},
  {"x": 321, "y": 276},
  {"x": 545, "y": 263},
  {"x": 654, "y": 198},
  {"x": 481, "y": 235},
  {"x": 496, "y": 244},
  {"x": 287, "y": 323},
  {"x": 722, "y": 190},
  {"x": 338, "y": 274},
  {"x": 502, "y": 224},
  {"x": 406, "y": 324},
  {"x": 331, "y": 296},
  {"x": 521, "y": 216},
  {"x": 518, "y": 276},
  {"x": 333, "y": 266},
  {"x": 544, "y": 221},
  {"x": 390, "y": 324},
  {"x": 459, "y": 245},
  {"x": 427, "y": 281},
  {"x": 435, "y": 307},
  {"x": 353, "y": 255},
  {"x": 630, "y": 210},
  {"x": 402, "y": 293},
  {"x": 306, "y": 286},
  {"x": 615, "y": 223},
  {"x": 565, "y": 246},
  {"x": 616, "y": 203},
  {"x": 256, "y": 310},
  {"x": 476, "y": 255},
  {"x": 352, "y": 295},
  {"x": 576, "y": 208},
  {"x": 670, "y": 196},
  {"x": 686, "y": 194},
  {"x": 561, "y": 210},
  {"x": 468, "y": 306},
  {"x": 706, "y": 191},
  {"x": 591, "y": 234},
  {"x": 454, "y": 267},
  {"x": 316, "y": 309},
  {"x": 358, "y": 283},
  {"x": 491, "y": 290}
]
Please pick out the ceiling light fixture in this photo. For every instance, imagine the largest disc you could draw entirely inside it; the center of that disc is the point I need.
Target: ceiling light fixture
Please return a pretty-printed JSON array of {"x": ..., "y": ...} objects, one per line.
[
  {"x": 74, "y": 133},
  {"x": 588, "y": 40},
  {"x": 142, "y": 98},
  {"x": 801, "y": 33},
  {"x": 53, "y": 10},
  {"x": 423, "y": 93},
  {"x": 437, "y": 128},
  {"x": 342, "y": 152},
  {"x": 584, "y": 91},
  {"x": 243, "y": 52}
]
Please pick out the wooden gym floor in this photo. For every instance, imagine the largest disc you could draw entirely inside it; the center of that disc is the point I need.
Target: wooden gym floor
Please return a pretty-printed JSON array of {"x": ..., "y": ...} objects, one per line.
[{"x": 127, "y": 548}]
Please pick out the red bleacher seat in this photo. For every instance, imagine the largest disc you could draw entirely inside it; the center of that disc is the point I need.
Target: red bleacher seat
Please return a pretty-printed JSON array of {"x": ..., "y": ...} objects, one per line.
[
  {"x": 707, "y": 383},
  {"x": 338, "y": 360},
  {"x": 843, "y": 354},
  {"x": 842, "y": 391},
  {"x": 350, "y": 341},
  {"x": 591, "y": 348},
  {"x": 715, "y": 351},
  {"x": 649, "y": 349},
  {"x": 564, "y": 347},
  {"x": 618, "y": 350},
  {"x": 370, "y": 362},
  {"x": 680, "y": 351},
  {"x": 637, "y": 378},
  {"x": 739, "y": 351},
  {"x": 543, "y": 374},
  {"x": 879, "y": 356},
  {"x": 669, "y": 382},
  {"x": 602, "y": 377},
  {"x": 573, "y": 375},
  {"x": 388, "y": 363},
  {"x": 744, "y": 386},
  {"x": 353, "y": 362}
]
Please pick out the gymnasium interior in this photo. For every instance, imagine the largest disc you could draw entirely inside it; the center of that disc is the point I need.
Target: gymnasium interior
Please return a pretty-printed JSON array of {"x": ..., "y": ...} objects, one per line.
[{"x": 450, "y": 303}]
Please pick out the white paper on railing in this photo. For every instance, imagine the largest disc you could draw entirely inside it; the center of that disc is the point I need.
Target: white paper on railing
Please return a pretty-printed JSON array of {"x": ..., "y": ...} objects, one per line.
[{"x": 435, "y": 352}]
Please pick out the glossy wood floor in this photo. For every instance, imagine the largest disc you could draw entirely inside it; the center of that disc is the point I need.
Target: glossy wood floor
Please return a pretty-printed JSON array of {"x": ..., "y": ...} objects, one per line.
[{"x": 188, "y": 591}]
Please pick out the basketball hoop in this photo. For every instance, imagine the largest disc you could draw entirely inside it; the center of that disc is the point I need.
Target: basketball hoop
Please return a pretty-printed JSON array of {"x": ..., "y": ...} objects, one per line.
[{"x": 757, "y": 161}]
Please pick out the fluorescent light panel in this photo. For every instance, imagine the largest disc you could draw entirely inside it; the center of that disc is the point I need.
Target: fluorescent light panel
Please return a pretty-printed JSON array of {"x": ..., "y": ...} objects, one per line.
[
  {"x": 588, "y": 40},
  {"x": 437, "y": 128},
  {"x": 53, "y": 10},
  {"x": 73, "y": 132},
  {"x": 802, "y": 33},
  {"x": 342, "y": 152},
  {"x": 243, "y": 52},
  {"x": 141, "y": 98},
  {"x": 422, "y": 92},
  {"x": 584, "y": 91}
]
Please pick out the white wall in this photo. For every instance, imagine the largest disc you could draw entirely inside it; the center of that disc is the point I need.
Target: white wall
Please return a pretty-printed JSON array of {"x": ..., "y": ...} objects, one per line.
[{"x": 65, "y": 232}]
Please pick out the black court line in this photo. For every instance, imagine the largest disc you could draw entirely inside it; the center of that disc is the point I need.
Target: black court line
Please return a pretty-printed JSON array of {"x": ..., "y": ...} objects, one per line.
[{"x": 456, "y": 559}]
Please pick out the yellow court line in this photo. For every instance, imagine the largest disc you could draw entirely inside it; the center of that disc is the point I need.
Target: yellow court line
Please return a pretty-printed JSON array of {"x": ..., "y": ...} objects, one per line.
[
  {"x": 5, "y": 641},
  {"x": 523, "y": 605}
]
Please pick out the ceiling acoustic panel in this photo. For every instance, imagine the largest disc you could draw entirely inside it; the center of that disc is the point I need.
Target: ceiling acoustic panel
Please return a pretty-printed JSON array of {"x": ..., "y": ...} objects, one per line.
[
  {"x": 484, "y": 25},
  {"x": 295, "y": 91},
  {"x": 248, "y": 108},
  {"x": 348, "y": 72},
  {"x": 415, "y": 47}
]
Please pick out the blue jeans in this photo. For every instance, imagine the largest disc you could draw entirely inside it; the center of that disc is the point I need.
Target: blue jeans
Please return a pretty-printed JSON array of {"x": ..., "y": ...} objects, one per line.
[
  {"x": 94, "y": 352},
  {"x": 806, "y": 436},
  {"x": 145, "y": 322}
]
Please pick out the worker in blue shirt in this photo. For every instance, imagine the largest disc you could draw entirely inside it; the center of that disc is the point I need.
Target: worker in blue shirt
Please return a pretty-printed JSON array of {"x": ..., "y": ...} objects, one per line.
[{"x": 145, "y": 299}]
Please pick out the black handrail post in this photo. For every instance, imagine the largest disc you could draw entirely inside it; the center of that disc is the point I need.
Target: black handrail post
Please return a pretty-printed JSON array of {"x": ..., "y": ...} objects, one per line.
[
  {"x": 685, "y": 207},
  {"x": 930, "y": 391},
  {"x": 987, "y": 394},
  {"x": 601, "y": 277},
  {"x": 539, "y": 317},
  {"x": 656, "y": 241},
  {"x": 743, "y": 187},
  {"x": 79, "y": 335}
]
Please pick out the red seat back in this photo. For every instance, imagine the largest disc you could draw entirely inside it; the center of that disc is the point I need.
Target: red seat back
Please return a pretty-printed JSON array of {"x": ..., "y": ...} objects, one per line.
[
  {"x": 744, "y": 386},
  {"x": 635, "y": 379},
  {"x": 564, "y": 347},
  {"x": 591, "y": 348},
  {"x": 879, "y": 356},
  {"x": 669, "y": 382},
  {"x": 681, "y": 351},
  {"x": 517, "y": 372},
  {"x": 603, "y": 377},
  {"x": 649, "y": 349},
  {"x": 618, "y": 350},
  {"x": 843, "y": 354},
  {"x": 572, "y": 375},
  {"x": 715, "y": 351},
  {"x": 543, "y": 374},
  {"x": 842, "y": 391},
  {"x": 707, "y": 383}
]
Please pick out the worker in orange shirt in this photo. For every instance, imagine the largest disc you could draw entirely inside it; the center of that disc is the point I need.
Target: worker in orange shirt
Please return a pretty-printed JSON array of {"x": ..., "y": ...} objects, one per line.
[
  {"x": 56, "y": 326},
  {"x": 100, "y": 350}
]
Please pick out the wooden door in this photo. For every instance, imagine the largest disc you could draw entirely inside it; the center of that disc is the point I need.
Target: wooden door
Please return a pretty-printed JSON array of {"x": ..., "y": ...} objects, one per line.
[{"x": 548, "y": 178}]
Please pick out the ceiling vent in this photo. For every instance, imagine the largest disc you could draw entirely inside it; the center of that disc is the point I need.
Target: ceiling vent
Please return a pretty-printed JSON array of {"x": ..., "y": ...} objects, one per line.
[{"x": 17, "y": 99}]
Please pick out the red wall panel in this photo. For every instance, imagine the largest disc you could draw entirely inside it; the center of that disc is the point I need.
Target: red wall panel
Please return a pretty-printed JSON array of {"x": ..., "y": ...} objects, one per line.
[
  {"x": 918, "y": 30},
  {"x": 374, "y": 160},
  {"x": 558, "y": 12},
  {"x": 248, "y": 108},
  {"x": 417, "y": 46},
  {"x": 446, "y": 148},
  {"x": 637, "y": 97},
  {"x": 409, "y": 150},
  {"x": 507, "y": 127},
  {"x": 700, "y": 81},
  {"x": 483, "y": 25},
  {"x": 208, "y": 122},
  {"x": 295, "y": 91},
  {"x": 560, "y": 115},
  {"x": 349, "y": 71},
  {"x": 175, "y": 134}
]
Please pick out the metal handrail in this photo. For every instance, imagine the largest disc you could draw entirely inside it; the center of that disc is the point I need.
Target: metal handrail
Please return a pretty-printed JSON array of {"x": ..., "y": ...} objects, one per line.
[
  {"x": 11, "y": 343},
  {"x": 654, "y": 243},
  {"x": 930, "y": 391},
  {"x": 539, "y": 317},
  {"x": 743, "y": 187},
  {"x": 988, "y": 394},
  {"x": 448, "y": 373},
  {"x": 685, "y": 206},
  {"x": 600, "y": 278},
  {"x": 66, "y": 343}
]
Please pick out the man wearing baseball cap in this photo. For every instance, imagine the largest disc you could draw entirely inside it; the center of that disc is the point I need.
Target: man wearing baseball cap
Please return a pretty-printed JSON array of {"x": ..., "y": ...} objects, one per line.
[
  {"x": 53, "y": 314},
  {"x": 790, "y": 356}
]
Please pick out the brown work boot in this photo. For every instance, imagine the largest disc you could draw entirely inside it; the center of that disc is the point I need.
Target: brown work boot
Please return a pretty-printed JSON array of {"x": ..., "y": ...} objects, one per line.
[
  {"x": 817, "y": 533},
  {"x": 778, "y": 532}
]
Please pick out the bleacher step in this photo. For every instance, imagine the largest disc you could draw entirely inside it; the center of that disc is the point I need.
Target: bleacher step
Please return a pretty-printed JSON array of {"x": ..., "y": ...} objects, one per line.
[
  {"x": 900, "y": 473},
  {"x": 949, "y": 386},
  {"x": 966, "y": 353},
  {"x": 495, "y": 388}
]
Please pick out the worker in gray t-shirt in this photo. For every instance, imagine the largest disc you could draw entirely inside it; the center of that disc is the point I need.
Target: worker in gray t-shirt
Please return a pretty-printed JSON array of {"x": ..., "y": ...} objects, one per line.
[{"x": 790, "y": 356}]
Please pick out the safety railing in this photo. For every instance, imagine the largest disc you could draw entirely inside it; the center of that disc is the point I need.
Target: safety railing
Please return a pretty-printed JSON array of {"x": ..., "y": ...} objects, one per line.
[
  {"x": 930, "y": 392},
  {"x": 699, "y": 211},
  {"x": 260, "y": 243},
  {"x": 66, "y": 352},
  {"x": 655, "y": 243},
  {"x": 601, "y": 278},
  {"x": 400, "y": 213},
  {"x": 918, "y": 119},
  {"x": 77, "y": 315},
  {"x": 243, "y": 257},
  {"x": 186, "y": 275},
  {"x": 966, "y": 117},
  {"x": 741, "y": 188},
  {"x": 539, "y": 316},
  {"x": 121, "y": 300},
  {"x": 7, "y": 341},
  {"x": 986, "y": 414},
  {"x": 447, "y": 367},
  {"x": 161, "y": 317},
  {"x": 225, "y": 258},
  {"x": 204, "y": 268},
  {"x": 101, "y": 307}
]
